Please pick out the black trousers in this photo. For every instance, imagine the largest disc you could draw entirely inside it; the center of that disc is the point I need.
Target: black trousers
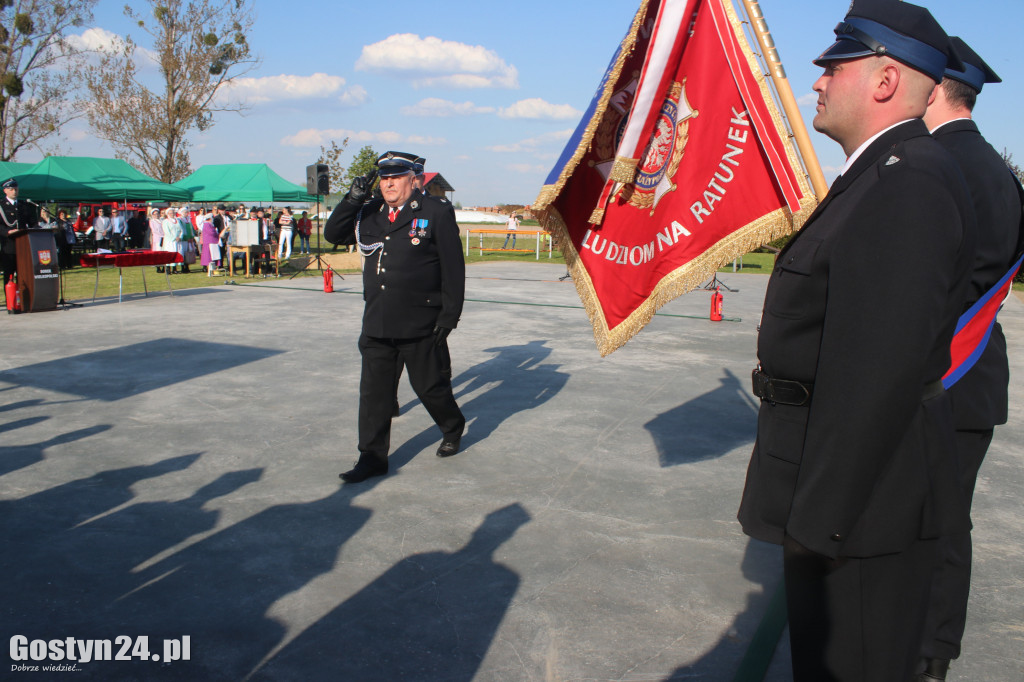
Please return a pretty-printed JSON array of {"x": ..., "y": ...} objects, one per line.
[
  {"x": 429, "y": 370},
  {"x": 951, "y": 584},
  {"x": 855, "y": 619}
]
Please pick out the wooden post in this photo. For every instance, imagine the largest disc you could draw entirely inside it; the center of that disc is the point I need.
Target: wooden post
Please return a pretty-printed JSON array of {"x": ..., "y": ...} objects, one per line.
[{"x": 778, "y": 75}]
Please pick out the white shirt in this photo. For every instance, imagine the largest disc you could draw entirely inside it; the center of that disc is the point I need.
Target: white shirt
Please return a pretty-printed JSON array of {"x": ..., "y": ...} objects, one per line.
[{"x": 860, "y": 150}]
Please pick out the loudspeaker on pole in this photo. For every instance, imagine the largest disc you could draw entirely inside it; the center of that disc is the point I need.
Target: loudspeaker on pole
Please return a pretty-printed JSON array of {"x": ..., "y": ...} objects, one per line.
[{"x": 318, "y": 179}]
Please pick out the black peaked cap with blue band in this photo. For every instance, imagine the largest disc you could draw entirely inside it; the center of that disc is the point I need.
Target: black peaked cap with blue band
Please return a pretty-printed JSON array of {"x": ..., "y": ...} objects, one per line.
[
  {"x": 890, "y": 28},
  {"x": 975, "y": 72},
  {"x": 390, "y": 164},
  {"x": 11, "y": 183}
]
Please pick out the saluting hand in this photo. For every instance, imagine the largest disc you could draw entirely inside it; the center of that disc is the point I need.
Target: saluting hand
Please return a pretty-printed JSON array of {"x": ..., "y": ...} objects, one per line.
[{"x": 360, "y": 189}]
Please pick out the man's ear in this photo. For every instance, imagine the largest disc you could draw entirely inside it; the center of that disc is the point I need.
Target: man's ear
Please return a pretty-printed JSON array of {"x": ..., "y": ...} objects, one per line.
[{"x": 888, "y": 81}]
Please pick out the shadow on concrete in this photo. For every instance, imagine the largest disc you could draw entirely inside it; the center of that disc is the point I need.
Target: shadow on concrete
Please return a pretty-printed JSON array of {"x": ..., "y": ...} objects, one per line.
[
  {"x": 14, "y": 457},
  {"x": 708, "y": 426},
  {"x": 127, "y": 371},
  {"x": 762, "y": 565},
  {"x": 515, "y": 380},
  {"x": 431, "y": 616},
  {"x": 82, "y": 560}
]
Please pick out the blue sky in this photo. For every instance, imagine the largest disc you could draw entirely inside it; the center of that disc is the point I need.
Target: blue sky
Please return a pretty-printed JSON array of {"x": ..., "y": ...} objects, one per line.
[{"x": 489, "y": 93}]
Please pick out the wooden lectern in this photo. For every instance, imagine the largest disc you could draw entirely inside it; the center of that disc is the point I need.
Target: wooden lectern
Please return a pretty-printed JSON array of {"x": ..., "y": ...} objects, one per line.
[{"x": 38, "y": 272}]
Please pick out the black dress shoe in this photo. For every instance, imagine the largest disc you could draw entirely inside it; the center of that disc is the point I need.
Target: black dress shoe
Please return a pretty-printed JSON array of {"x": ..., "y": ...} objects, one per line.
[
  {"x": 362, "y": 471},
  {"x": 449, "y": 447}
]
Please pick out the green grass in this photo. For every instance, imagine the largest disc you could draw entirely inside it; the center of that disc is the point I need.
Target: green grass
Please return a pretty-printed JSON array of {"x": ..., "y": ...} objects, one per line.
[{"x": 79, "y": 282}]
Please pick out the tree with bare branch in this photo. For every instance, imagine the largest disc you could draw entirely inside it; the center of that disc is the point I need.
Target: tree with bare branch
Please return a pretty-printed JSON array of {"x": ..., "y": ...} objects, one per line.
[
  {"x": 38, "y": 67},
  {"x": 199, "y": 48}
]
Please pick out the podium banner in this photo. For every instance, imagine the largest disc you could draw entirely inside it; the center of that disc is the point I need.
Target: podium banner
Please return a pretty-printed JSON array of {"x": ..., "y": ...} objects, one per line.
[{"x": 681, "y": 163}]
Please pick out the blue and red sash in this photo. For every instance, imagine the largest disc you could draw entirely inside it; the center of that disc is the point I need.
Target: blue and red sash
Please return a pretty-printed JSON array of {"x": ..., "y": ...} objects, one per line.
[{"x": 974, "y": 327}]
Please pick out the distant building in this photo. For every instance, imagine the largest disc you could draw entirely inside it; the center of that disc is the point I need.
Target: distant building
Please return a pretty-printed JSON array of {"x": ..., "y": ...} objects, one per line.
[{"x": 435, "y": 185}]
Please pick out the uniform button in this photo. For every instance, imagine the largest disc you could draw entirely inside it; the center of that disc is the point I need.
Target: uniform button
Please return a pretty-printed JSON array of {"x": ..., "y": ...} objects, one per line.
[
  {"x": 381, "y": 286},
  {"x": 387, "y": 238},
  {"x": 383, "y": 269},
  {"x": 836, "y": 537}
]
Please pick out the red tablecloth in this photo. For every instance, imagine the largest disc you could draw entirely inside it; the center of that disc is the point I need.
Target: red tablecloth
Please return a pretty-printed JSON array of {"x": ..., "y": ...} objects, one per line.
[{"x": 130, "y": 259}]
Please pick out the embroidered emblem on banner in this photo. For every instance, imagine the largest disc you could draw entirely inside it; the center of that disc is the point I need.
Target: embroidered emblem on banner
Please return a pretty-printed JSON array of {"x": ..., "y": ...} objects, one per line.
[
  {"x": 44, "y": 256},
  {"x": 664, "y": 152}
]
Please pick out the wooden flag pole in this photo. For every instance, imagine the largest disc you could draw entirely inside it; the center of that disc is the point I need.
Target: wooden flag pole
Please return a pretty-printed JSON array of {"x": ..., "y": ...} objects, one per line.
[{"x": 789, "y": 106}]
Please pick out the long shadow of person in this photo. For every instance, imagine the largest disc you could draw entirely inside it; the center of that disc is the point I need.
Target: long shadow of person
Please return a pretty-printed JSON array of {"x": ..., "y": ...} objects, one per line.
[
  {"x": 706, "y": 427},
  {"x": 43, "y": 516},
  {"x": 516, "y": 379},
  {"x": 431, "y": 616},
  {"x": 220, "y": 590},
  {"x": 744, "y": 652},
  {"x": 84, "y": 570},
  {"x": 14, "y": 457}
]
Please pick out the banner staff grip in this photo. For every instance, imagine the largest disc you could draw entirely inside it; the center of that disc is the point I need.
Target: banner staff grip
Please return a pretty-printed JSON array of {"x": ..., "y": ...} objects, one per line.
[{"x": 759, "y": 27}]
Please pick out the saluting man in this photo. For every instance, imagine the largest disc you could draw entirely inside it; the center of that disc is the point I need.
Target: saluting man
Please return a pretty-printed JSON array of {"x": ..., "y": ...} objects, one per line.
[
  {"x": 853, "y": 470},
  {"x": 979, "y": 397},
  {"x": 414, "y": 279}
]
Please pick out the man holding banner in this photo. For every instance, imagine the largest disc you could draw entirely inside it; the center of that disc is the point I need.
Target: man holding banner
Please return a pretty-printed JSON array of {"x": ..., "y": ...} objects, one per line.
[
  {"x": 981, "y": 375},
  {"x": 853, "y": 470}
]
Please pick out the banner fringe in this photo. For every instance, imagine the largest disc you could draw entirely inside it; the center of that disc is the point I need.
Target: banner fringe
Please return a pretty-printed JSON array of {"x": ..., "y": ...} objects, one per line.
[{"x": 689, "y": 276}]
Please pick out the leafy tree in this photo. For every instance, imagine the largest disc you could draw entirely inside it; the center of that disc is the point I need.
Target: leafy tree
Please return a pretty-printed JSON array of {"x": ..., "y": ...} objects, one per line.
[
  {"x": 199, "y": 48},
  {"x": 332, "y": 158},
  {"x": 1014, "y": 168},
  {"x": 363, "y": 162},
  {"x": 37, "y": 66}
]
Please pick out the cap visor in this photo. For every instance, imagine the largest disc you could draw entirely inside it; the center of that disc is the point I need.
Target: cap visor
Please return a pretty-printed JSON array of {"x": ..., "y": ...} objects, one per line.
[
  {"x": 843, "y": 49},
  {"x": 393, "y": 171}
]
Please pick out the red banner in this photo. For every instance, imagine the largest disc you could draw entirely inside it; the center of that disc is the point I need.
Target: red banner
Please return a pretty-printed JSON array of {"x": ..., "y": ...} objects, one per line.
[{"x": 717, "y": 178}]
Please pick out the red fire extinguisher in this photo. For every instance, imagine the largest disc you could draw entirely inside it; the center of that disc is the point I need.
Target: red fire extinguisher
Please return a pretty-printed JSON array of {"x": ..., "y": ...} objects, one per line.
[
  {"x": 716, "y": 305},
  {"x": 328, "y": 281},
  {"x": 13, "y": 296}
]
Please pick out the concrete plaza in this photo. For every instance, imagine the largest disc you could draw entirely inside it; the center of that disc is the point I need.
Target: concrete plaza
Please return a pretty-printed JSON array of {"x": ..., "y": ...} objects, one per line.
[{"x": 169, "y": 469}]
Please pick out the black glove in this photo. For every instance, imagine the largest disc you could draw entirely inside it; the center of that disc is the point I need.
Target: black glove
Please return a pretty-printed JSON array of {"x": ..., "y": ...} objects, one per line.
[
  {"x": 360, "y": 189},
  {"x": 440, "y": 334}
]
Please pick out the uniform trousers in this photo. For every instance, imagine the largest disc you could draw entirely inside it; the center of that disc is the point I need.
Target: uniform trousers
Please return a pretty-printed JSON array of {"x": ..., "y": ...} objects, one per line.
[
  {"x": 429, "y": 369},
  {"x": 856, "y": 618},
  {"x": 951, "y": 584}
]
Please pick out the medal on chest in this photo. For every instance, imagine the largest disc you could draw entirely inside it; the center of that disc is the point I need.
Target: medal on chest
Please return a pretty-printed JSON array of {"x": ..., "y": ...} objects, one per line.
[{"x": 420, "y": 229}]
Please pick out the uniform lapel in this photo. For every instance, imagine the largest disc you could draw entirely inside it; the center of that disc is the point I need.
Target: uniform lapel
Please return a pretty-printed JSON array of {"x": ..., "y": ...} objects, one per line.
[{"x": 866, "y": 160}]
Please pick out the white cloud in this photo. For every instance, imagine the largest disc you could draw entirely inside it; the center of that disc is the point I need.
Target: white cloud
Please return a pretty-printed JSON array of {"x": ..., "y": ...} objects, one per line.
[
  {"x": 541, "y": 143},
  {"x": 102, "y": 41},
  {"x": 539, "y": 109},
  {"x": 427, "y": 141},
  {"x": 442, "y": 108},
  {"x": 315, "y": 137},
  {"x": 527, "y": 169},
  {"x": 434, "y": 62},
  {"x": 97, "y": 40},
  {"x": 808, "y": 100},
  {"x": 285, "y": 87},
  {"x": 353, "y": 96}
]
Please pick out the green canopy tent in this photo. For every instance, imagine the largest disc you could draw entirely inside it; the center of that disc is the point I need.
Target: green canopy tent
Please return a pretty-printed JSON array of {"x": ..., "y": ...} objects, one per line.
[
  {"x": 241, "y": 182},
  {"x": 13, "y": 169},
  {"x": 83, "y": 178}
]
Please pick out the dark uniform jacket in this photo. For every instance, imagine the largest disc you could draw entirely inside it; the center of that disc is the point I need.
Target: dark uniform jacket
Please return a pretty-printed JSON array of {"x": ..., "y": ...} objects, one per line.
[
  {"x": 417, "y": 279},
  {"x": 8, "y": 221},
  {"x": 862, "y": 304},
  {"x": 979, "y": 398}
]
